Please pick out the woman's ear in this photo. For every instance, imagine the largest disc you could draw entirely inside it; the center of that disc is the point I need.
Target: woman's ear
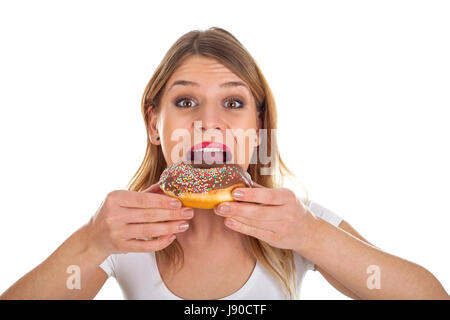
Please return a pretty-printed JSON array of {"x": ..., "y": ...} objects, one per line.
[{"x": 152, "y": 122}]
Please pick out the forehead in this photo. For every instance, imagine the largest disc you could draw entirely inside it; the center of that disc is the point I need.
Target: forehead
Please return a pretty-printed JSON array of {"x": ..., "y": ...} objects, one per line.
[{"x": 197, "y": 68}]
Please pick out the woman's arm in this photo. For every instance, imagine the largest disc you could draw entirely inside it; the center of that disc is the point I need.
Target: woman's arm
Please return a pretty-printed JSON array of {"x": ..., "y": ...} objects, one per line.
[
  {"x": 347, "y": 259},
  {"x": 49, "y": 279},
  {"x": 278, "y": 217},
  {"x": 118, "y": 226},
  {"x": 338, "y": 286}
]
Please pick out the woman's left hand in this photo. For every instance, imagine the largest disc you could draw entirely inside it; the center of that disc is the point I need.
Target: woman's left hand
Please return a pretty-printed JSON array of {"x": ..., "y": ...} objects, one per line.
[{"x": 274, "y": 215}]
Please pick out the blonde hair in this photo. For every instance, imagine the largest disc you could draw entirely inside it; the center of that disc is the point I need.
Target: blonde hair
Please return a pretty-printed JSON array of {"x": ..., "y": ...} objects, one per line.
[{"x": 221, "y": 45}]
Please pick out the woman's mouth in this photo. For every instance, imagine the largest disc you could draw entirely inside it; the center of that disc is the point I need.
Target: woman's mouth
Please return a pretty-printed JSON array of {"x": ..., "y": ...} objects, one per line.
[{"x": 209, "y": 152}]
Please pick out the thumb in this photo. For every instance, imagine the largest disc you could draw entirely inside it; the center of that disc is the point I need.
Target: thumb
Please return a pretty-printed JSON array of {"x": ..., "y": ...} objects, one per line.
[
  {"x": 256, "y": 185},
  {"x": 154, "y": 188}
]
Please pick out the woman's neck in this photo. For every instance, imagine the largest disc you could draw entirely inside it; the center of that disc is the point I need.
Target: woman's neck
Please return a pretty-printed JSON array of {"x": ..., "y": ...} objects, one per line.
[{"x": 207, "y": 230}]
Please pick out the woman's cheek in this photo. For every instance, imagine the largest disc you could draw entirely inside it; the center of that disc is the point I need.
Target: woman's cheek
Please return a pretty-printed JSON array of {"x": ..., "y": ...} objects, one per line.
[
  {"x": 245, "y": 147},
  {"x": 177, "y": 146}
]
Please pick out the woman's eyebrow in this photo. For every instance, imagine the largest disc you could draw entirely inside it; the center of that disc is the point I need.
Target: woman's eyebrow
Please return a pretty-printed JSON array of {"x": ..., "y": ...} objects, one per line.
[{"x": 195, "y": 84}]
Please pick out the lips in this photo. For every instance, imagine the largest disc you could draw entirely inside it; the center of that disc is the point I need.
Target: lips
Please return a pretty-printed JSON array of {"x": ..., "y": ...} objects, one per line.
[{"x": 209, "y": 152}]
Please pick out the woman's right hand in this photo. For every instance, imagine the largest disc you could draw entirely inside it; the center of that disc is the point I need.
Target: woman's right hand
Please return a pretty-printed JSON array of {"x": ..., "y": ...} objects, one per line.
[{"x": 125, "y": 218}]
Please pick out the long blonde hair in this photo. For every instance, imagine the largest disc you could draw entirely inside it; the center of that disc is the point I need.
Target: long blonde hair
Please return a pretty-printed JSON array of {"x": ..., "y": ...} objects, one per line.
[{"x": 221, "y": 45}]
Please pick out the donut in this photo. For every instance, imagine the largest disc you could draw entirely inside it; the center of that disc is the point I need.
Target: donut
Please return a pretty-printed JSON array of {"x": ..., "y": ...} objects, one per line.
[{"x": 203, "y": 186}]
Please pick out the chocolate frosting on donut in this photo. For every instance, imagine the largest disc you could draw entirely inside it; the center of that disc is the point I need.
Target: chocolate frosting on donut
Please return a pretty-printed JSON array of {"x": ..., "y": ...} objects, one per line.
[{"x": 198, "y": 178}]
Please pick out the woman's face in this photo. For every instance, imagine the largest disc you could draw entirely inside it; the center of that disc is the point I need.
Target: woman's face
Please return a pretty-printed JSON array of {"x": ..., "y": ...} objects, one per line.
[{"x": 204, "y": 102}]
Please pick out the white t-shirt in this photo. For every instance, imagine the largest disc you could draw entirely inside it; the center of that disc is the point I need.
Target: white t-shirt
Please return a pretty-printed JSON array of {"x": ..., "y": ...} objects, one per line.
[{"x": 139, "y": 278}]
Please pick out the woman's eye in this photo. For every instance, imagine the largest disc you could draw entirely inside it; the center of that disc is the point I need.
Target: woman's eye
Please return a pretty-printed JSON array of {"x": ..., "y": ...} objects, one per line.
[
  {"x": 234, "y": 104},
  {"x": 185, "y": 103}
]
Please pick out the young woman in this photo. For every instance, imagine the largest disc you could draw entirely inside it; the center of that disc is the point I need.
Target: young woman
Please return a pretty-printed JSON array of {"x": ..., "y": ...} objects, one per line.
[{"x": 257, "y": 247}]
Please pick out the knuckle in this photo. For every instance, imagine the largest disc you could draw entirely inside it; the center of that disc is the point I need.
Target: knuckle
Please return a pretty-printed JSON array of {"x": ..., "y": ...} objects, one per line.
[
  {"x": 289, "y": 217},
  {"x": 176, "y": 214},
  {"x": 114, "y": 234},
  {"x": 112, "y": 196},
  {"x": 110, "y": 235},
  {"x": 141, "y": 199},
  {"x": 150, "y": 216},
  {"x": 291, "y": 195},
  {"x": 110, "y": 221},
  {"x": 151, "y": 199},
  {"x": 163, "y": 201},
  {"x": 118, "y": 246},
  {"x": 287, "y": 194},
  {"x": 140, "y": 216}
]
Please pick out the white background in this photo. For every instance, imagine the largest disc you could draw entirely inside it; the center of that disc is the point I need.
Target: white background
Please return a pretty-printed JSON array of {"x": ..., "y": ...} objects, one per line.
[{"x": 362, "y": 89}]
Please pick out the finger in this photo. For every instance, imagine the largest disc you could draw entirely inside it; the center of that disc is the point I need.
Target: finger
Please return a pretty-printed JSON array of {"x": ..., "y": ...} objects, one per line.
[
  {"x": 134, "y": 199},
  {"x": 256, "y": 185},
  {"x": 265, "y": 235},
  {"x": 269, "y": 196},
  {"x": 261, "y": 224},
  {"x": 134, "y": 215},
  {"x": 154, "y": 188},
  {"x": 247, "y": 210},
  {"x": 160, "y": 243},
  {"x": 149, "y": 230}
]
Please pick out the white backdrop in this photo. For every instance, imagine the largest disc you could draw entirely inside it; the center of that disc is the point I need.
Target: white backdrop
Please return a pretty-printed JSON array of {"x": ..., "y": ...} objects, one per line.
[{"x": 363, "y": 86}]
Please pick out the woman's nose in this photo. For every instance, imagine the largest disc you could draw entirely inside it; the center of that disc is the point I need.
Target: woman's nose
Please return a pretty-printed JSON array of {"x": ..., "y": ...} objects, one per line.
[{"x": 210, "y": 119}]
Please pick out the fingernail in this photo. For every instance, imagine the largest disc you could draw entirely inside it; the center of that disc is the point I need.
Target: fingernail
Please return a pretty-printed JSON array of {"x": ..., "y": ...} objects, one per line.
[
  {"x": 172, "y": 238},
  {"x": 223, "y": 208},
  {"x": 175, "y": 203},
  {"x": 183, "y": 226},
  {"x": 238, "y": 194},
  {"x": 187, "y": 213}
]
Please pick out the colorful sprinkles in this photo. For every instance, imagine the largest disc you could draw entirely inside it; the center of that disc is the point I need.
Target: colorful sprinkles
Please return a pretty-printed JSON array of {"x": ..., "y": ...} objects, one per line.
[{"x": 182, "y": 178}]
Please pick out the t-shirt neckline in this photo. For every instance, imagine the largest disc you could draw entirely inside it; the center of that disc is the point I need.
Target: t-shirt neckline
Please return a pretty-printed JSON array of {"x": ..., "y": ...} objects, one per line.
[{"x": 235, "y": 295}]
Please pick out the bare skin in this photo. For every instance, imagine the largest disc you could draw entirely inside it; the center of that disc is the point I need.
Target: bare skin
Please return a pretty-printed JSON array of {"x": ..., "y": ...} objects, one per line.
[{"x": 209, "y": 244}]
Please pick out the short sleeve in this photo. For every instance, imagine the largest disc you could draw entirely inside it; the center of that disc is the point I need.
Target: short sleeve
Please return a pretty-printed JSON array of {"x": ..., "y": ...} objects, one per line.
[
  {"x": 109, "y": 265},
  {"x": 325, "y": 214}
]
